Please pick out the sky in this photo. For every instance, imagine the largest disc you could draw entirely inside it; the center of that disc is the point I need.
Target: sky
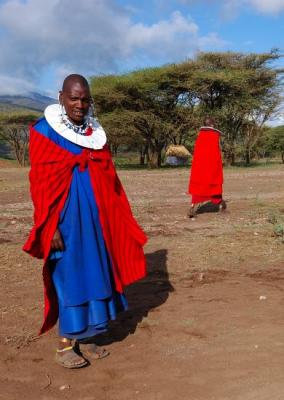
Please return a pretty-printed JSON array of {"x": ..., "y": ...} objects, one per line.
[{"x": 43, "y": 41}]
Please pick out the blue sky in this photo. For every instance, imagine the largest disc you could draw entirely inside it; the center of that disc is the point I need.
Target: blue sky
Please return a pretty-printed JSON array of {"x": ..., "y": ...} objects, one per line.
[{"x": 43, "y": 41}]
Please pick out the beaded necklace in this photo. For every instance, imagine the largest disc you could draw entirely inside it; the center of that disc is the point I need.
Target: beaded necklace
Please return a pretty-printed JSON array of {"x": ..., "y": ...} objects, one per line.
[
  {"x": 85, "y": 129},
  {"x": 90, "y": 134}
]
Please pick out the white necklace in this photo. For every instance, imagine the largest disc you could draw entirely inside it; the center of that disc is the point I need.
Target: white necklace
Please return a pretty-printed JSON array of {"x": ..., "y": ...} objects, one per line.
[
  {"x": 81, "y": 129},
  {"x": 76, "y": 134}
]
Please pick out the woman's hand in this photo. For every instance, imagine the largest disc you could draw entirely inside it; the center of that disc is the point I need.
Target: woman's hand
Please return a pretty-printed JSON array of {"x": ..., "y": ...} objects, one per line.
[{"x": 57, "y": 242}]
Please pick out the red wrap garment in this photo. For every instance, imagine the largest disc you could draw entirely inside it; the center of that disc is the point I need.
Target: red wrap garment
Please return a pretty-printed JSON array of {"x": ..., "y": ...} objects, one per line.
[
  {"x": 206, "y": 177},
  {"x": 50, "y": 179}
]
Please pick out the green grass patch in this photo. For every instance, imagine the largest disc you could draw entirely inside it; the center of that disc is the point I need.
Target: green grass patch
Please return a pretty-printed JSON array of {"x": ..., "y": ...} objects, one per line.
[
  {"x": 265, "y": 163},
  {"x": 276, "y": 218}
]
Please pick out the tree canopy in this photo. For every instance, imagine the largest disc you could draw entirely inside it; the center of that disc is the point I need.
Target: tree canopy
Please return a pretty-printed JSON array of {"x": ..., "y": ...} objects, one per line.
[
  {"x": 155, "y": 107},
  {"x": 14, "y": 130}
]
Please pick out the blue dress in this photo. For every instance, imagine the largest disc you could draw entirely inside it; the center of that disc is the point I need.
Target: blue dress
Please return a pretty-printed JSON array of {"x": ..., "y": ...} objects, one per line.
[{"x": 81, "y": 273}]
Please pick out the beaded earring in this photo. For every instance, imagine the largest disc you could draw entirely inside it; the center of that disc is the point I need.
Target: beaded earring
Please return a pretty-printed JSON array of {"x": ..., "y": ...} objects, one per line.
[
  {"x": 90, "y": 119},
  {"x": 62, "y": 109},
  {"x": 91, "y": 111},
  {"x": 62, "y": 113}
]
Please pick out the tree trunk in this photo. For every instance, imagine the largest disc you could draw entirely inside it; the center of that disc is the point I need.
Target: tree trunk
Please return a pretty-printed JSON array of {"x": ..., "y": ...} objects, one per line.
[
  {"x": 147, "y": 156},
  {"x": 282, "y": 156},
  {"x": 153, "y": 159},
  {"x": 247, "y": 156},
  {"x": 159, "y": 158},
  {"x": 155, "y": 156},
  {"x": 233, "y": 158},
  {"x": 18, "y": 153},
  {"x": 144, "y": 154}
]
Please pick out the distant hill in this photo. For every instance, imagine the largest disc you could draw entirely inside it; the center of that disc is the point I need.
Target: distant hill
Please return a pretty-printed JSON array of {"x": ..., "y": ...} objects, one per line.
[{"x": 31, "y": 101}]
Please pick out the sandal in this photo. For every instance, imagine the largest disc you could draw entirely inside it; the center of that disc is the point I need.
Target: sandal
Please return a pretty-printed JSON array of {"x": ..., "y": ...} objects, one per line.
[
  {"x": 222, "y": 205},
  {"x": 194, "y": 210},
  {"x": 191, "y": 213},
  {"x": 92, "y": 351},
  {"x": 68, "y": 358}
]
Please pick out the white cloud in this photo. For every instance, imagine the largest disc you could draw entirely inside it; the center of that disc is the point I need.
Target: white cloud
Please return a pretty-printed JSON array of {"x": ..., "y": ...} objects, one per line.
[
  {"x": 268, "y": 6},
  {"x": 89, "y": 37},
  {"x": 232, "y": 7},
  {"x": 275, "y": 122},
  {"x": 212, "y": 40},
  {"x": 15, "y": 86},
  {"x": 262, "y": 6},
  {"x": 278, "y": 117},
  {"x": 165, "y": 40}
]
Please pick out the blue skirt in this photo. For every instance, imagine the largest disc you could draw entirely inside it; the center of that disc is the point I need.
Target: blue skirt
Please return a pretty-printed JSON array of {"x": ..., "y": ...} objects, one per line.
[{"x": 88, "y": 319}]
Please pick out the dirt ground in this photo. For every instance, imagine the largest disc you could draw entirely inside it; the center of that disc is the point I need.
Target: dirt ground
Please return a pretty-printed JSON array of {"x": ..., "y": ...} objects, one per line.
[{"x": 206, "y": 324}]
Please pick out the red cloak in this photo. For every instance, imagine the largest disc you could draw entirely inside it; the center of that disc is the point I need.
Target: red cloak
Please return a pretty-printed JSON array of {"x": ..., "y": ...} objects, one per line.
[
  {"x": 50, "y": 179},
  {"x": 206, "y": 177}
]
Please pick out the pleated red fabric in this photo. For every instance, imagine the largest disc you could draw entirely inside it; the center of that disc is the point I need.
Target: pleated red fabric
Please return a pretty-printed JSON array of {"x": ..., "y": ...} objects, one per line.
[
  {"x": 206, "y": 176},
  {"x": 50, "y": 179}
]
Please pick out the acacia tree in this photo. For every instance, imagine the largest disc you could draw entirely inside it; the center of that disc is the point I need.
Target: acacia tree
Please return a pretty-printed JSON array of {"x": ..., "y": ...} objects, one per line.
[
  {"x": 158, "y": 106},
  {"x": 274, "y": 140},
  {"x": 14, "y": 130},
  {"x": 240, "y": 90},
  {"x": 115, "y": 124},
  {"x": 148, "y": 101},
  {"x": 252, "y": 127}
]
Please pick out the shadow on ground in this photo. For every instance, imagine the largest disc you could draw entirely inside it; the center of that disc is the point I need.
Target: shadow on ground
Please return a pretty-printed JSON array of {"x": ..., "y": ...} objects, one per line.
[{"x": 143, "y": 296}]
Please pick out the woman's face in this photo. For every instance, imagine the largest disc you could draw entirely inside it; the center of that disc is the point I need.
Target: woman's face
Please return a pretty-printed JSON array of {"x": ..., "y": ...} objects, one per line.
[{"x": 76, "y": 99}]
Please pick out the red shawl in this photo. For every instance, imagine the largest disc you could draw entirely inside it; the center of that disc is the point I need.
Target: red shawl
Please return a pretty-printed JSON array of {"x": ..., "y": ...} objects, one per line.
[
  {"x": 50, "y": 179},
  {"x": 206, "y": 176}
]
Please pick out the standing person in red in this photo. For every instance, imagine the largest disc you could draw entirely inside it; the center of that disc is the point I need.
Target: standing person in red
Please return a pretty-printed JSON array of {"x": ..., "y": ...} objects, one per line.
[
  {"x": 206, "y": 178},
  {"x": 83, "y": 230}
]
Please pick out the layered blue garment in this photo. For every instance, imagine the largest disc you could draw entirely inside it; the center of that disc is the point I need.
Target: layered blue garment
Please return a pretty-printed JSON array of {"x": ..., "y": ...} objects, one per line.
[{"x": 81, "y": 273}]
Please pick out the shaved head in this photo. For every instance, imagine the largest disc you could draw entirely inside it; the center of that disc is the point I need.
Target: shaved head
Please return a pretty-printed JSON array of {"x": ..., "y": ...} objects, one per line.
[
  {"x": 209, "y": 121},
  {"x": 72, "y": 79},
  {"x": 76, "y": 98}
]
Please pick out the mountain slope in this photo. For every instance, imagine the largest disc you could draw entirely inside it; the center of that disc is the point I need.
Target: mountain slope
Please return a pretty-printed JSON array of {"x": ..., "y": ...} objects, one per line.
[{"x": 31, "y": 101}]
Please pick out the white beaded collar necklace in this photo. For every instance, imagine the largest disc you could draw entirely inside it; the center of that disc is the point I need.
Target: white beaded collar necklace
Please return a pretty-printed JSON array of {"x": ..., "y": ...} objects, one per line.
[
  {"x": 211, "y": 128},
  {"x": 96, "y": 140}
]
